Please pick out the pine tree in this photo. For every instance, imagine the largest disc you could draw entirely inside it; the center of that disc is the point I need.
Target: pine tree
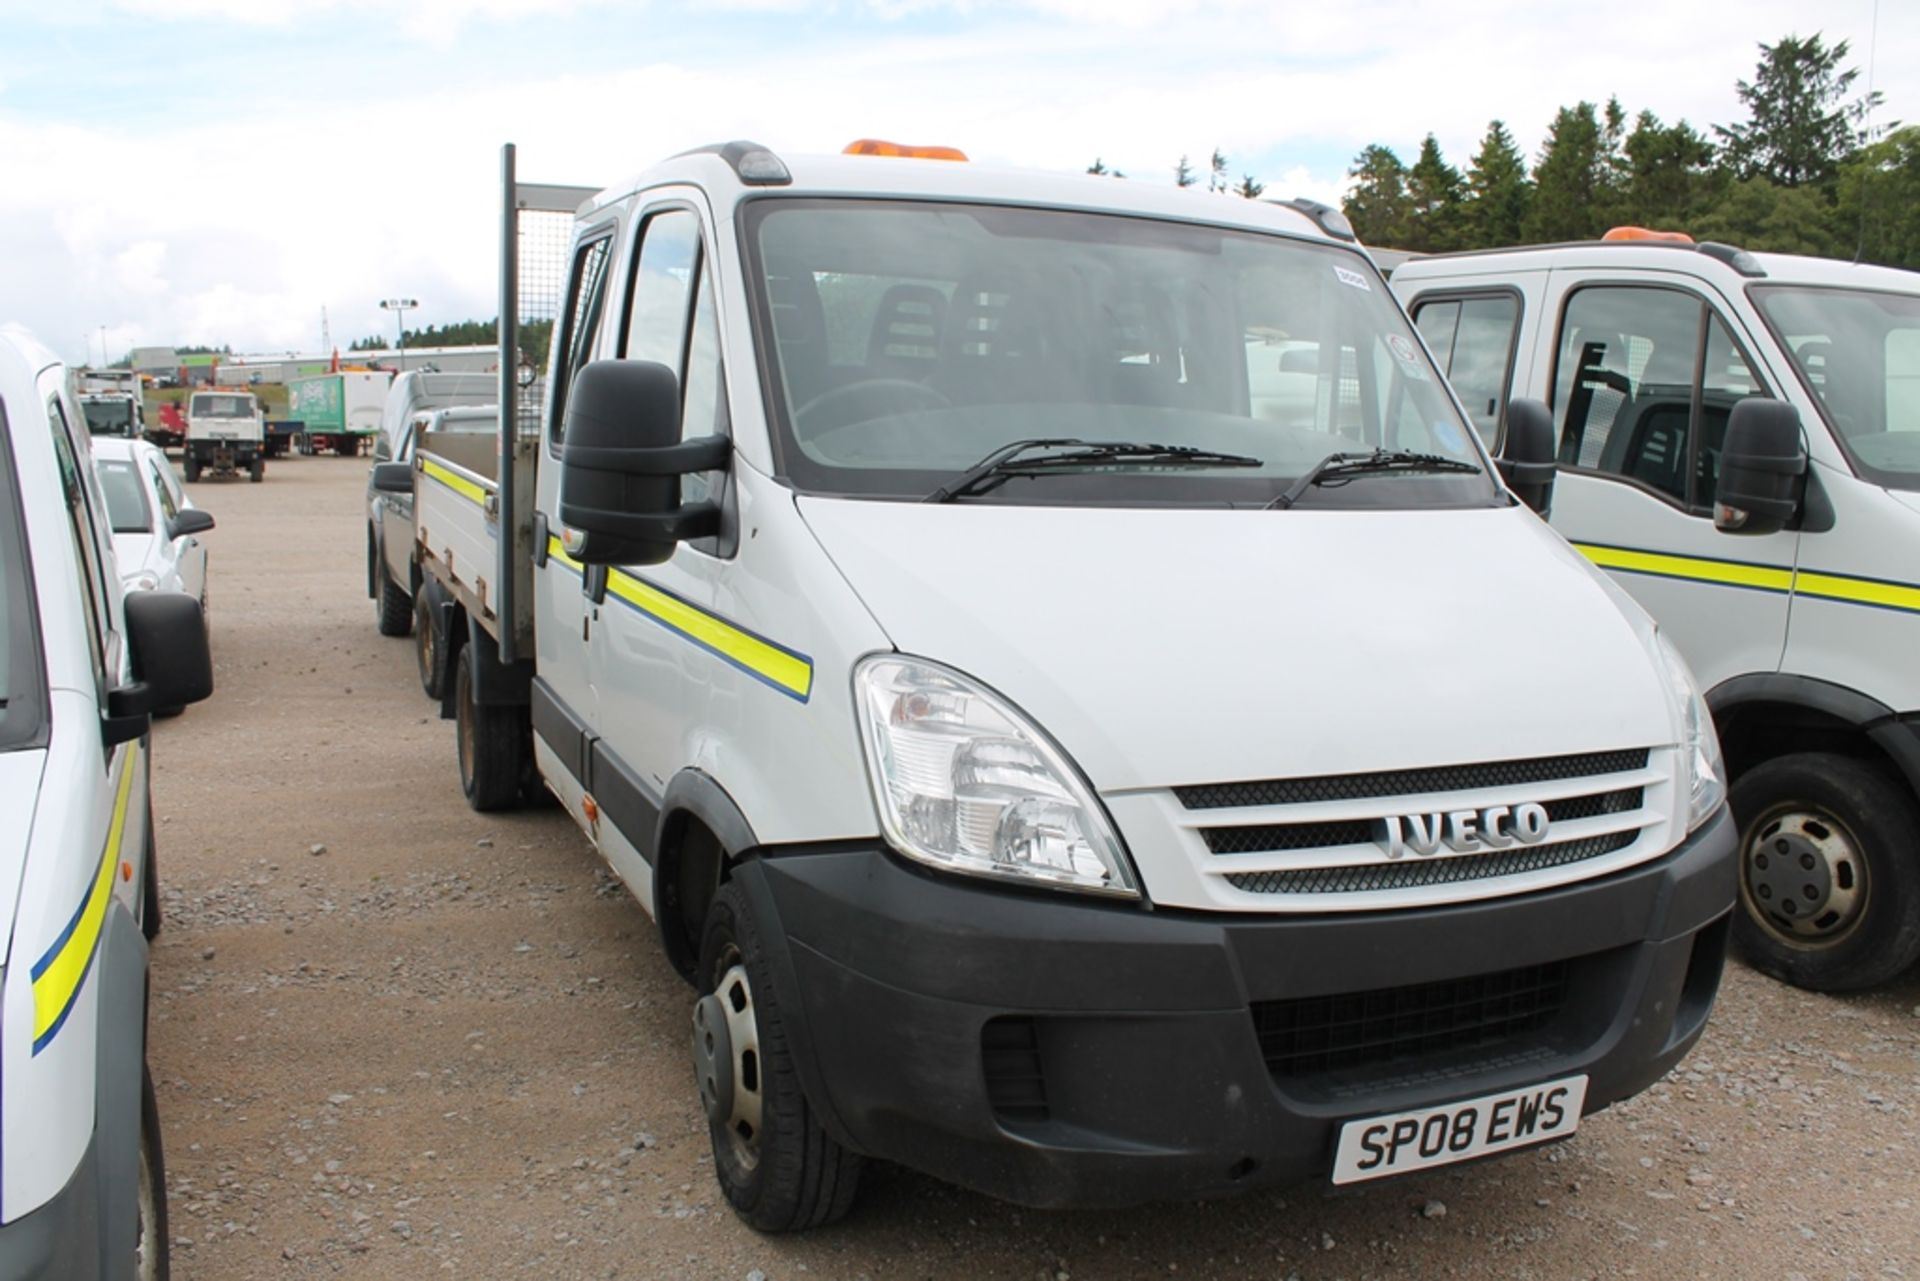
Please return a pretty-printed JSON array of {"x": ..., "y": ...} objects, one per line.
[
  {"x": 1378, "y": 204},
  {"x": 1670, "y": 173},
  {"x": 1879, "y": 207},
  {"x": 1435, "y": 191},
  {"x": 1564, "y": 186},
  {"x": 1183, "y": 174},
  {"x": 1800, "y": 128},
  {"x": 1097, "y": 167},
  {"x": 1498, "y": 193},
  {"x": 1248, "y": 188},
  {"x": 1217, "y": 172}
]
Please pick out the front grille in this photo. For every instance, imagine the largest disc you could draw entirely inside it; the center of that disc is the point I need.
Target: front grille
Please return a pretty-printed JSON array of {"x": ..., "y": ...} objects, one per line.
[
  {"x": 1316, "y": 1035},
  {"x": 1010, "y": 1055},
  {"x": 1409, "y": 873},
  {"x": 1264, "y": 838},
  {"x": 1409, "y": 782}
]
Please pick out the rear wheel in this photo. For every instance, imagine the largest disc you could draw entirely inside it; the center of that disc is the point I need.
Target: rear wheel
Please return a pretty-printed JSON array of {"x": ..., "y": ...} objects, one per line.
[
  {"x": 1829, "y": 871},
  {"x": 429, "y": 648},
  {"x": 780, "y": 1170},
  {"x": 150, "y": 1249},
  {"x": 190, "y": 464},
  {"x": 493, "y": 741},
  {"x": 257, "y": 469},
  {"x": 393, "y": 611}
]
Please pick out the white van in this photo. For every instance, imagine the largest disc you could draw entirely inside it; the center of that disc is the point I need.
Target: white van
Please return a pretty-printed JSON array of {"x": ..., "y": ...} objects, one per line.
[
  {"x": 82, "y": 1185},
  {"x": 1738, "y": 438},
  {"x": 1087, "y": 716}
]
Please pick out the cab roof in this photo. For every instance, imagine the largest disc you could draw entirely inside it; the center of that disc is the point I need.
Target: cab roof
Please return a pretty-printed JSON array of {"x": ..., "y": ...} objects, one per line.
[
  {"x": 1707, "y": 260},
  {"x": 715, "y": 170}
]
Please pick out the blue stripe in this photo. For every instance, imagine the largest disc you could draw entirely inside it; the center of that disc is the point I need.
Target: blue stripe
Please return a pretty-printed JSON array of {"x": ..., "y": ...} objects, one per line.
[
  {"x": 728, "y": 659},
  {"x": 53, "y": 1029},
  {"x": 1704, "y": 582},
  {"x": 40, "y": 966}
]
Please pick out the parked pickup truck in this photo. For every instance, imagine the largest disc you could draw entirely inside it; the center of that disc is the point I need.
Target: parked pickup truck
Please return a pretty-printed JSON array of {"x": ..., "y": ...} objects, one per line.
[
  {"x": 1051, "y": 769},
  {"x": 1739, "y": 444}
]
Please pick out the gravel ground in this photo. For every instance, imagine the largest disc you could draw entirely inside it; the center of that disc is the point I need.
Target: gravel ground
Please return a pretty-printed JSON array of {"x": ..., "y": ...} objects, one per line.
[{"x": 395, "y": 1039}]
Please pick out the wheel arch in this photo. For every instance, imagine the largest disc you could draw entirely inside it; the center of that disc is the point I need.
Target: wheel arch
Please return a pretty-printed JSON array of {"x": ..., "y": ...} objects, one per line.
[
  {"x": 1763, "y": 715},
  {"x": 701, "y": 833}
]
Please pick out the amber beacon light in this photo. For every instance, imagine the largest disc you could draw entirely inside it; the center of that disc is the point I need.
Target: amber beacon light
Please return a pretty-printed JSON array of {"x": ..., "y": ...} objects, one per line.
[{"x": 876, "y": 147}]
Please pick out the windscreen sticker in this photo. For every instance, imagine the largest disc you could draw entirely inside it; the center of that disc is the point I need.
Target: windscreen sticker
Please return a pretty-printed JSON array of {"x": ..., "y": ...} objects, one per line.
[
  {"x": 1408, "y": 355},
  {"x": 1354, "y": 278}
]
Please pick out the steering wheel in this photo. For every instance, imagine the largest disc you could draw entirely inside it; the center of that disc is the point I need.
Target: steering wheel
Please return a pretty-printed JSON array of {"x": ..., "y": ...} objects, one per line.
[{"x": 900, "y": 391}]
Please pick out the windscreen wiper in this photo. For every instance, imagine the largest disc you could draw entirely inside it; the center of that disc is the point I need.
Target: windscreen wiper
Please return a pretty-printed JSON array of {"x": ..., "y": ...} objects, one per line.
[
  {"x": 1010, "y": 460},
  {"x": 1342, "y": 467}
]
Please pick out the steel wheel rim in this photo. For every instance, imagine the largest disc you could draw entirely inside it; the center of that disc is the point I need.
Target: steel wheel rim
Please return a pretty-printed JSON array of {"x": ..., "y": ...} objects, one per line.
[
  {"x": 1804, "y": 877},
  {"x": 734, "y": 999}
]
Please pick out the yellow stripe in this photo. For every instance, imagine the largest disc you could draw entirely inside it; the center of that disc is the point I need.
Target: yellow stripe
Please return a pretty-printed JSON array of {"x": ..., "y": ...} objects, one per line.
[
  {"x": 1766, "y": 577},
  {"x": 59, "y": 982},
  {"x": 1859, "y": 591},
  {"x": 458, "y": 484},
  {"x": 773, "y": 664},
  {"x": 557, "y": 550}
]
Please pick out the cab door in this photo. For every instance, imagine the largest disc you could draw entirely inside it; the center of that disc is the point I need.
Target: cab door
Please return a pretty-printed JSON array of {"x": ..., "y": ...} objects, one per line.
[
  {"x": 563, "y": 693},
  {"x": 1642, "y": 371},
  {"x": 651, "y": 657}
]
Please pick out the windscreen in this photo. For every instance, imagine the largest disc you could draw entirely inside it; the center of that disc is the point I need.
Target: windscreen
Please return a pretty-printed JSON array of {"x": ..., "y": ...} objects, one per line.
[
  {"x": 127, "y": 508},
  {"x": 213, "y": 406},
  {"x": 910, "y": 340},
  {"x": 108, "y": 417},
  {"x": 1858, "y": 353}
]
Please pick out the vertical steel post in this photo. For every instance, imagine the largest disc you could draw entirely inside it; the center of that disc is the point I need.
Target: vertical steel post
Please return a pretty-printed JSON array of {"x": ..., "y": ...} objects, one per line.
[{"x": 509, "y": 340}]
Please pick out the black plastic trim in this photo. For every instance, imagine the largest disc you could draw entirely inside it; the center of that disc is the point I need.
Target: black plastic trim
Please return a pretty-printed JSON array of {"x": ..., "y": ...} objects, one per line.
[
  {"x": 624, "y": 797},
  {"x": 496, "y": 683},
  {"x": 696, "y": 793},
  {"x": 1896, "y": 735},
  {"x": 562, "y": 731}
]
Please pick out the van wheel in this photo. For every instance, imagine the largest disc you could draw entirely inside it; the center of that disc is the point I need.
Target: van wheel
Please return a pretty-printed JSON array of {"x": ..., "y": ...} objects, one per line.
[
  {"x": 1829, "y": 871},
  {"x": 150, "y": 1250},
  {"x": 429, "y": 653},
  {"x": 190, "y": 464},
  {"x": 493, "y": 741},
  {"x": 257, "y": 469},
  {"x": 780, "y": 1171},
  {"x": 393, "y": 613}
]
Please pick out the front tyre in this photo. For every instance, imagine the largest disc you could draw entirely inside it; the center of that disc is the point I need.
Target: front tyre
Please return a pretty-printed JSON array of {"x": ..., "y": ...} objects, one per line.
[
  {"x": 190, "y": 464},
  {"x": 257, "y": 469},
  {"x": 150, "y": 1250},
  {"x": 494, "y": 741},
  {"x": 780, "y": 1170},
  {"x": 393, "y": 610},
  {"x": 1828, "y": 877}
]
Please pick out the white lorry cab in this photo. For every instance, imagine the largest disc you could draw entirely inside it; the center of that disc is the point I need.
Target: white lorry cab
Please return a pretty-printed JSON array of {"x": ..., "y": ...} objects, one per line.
[
  {"x": 1085, "y": 713},
  {"x": 226, "y": 435},
  {"x": 82, "y": 1186},
  {"x": 1738, "y": 438}
]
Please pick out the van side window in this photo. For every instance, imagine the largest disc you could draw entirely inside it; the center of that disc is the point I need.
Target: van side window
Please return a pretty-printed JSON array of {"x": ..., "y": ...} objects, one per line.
[
  {"x": 86, "y": 550},
  {"x": 163, "y": 494},
  {"x": 1472, "y": 338},
  {"x": 1643, "y": 385},
  {"x": 703, "y": 409},
  {"x": 586, "y": 299},
  {"x": 662, "y": 283}
]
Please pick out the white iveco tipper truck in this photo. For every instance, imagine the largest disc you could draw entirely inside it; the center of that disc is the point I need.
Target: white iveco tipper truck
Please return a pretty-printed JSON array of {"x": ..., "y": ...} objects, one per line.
[
  {"x": 1739, "y": 443},
  {"x": 1088, "y": 717},
  {"x": 226, "y": 435}
]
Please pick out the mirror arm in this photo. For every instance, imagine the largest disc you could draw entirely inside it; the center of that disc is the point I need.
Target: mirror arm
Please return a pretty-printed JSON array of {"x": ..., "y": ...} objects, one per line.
[
  {"x": 690, "y": 521},
  {"x": 706, "y": 453}
]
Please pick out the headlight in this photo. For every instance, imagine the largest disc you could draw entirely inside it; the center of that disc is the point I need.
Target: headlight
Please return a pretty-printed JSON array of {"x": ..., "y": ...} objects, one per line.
[
  {"x": 964, "y": 782},
  {"x": 1699, "y": 744}
]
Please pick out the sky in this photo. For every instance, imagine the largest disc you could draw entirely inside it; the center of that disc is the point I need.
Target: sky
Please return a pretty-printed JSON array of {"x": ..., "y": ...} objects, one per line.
[{"x": 221, "y": 171}]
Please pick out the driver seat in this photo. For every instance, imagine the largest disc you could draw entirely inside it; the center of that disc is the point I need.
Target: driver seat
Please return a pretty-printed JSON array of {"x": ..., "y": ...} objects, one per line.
[{"x": 905, "y": 339}]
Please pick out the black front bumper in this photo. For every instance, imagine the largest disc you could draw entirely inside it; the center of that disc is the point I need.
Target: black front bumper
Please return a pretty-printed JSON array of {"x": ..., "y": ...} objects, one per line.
[{"x": 1055, "y": 1051}]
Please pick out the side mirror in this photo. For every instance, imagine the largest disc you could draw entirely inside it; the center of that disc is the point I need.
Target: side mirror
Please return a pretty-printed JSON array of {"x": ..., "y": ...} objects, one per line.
[
  {"x": 191, "y": 520},
  {"x": 172, "y": 664},
  {"x": 1527, "y": 463},
  {"x": 1763, "y": 469},
  {"x": 621, "y": 465},
  {"x": 393, "y": 478}
]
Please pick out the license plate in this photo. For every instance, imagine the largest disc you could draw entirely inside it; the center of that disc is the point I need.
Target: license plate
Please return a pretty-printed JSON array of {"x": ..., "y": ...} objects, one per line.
[{"x": 1384, "y": 1145}]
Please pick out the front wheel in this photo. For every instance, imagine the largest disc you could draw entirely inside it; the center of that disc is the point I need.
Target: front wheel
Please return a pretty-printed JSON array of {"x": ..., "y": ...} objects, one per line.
[
  {"x": 190, "y": 464},
  {"x": 150, "y": 1249},
  {"x": 257, "y": 469},
  {"x": 780, "y": 1170},
  {"x": 1829, "y": 880},
  {"x": 494, "y": 742}
]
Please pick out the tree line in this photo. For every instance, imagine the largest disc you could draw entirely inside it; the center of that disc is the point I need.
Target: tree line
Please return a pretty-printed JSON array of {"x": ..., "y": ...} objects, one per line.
[{"x": 1807, "y": 172}]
